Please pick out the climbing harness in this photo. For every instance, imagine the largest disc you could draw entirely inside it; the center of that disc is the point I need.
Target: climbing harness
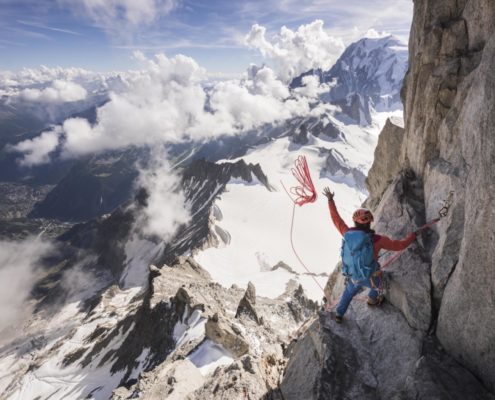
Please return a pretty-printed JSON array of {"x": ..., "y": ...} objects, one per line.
[{"x": 305, "y": 193}]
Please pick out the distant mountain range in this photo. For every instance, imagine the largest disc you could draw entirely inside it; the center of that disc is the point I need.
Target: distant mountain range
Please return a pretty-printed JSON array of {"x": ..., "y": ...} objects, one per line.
[
  {"x": 366, "y": 78},
  {"x": 368, "y": 75}
]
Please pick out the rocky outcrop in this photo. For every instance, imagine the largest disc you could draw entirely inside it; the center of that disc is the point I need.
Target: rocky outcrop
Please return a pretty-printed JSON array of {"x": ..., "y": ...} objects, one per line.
[
  {"x": 187, "y": 313},
  {"x": 300, "y": 135},
  {"x": 374, "y": 354},
  {"x": 228, "y": 335},
  {"x": 212, "y": 179},
  {"x": 386, "y": 164},
  {"x": 338, "y": 169},
  {"x": 168, "y": 381},
  {"x": 357, "y": 107},
  {"x": 408, "y": 278},
  {"x": 247, "y": 305}
]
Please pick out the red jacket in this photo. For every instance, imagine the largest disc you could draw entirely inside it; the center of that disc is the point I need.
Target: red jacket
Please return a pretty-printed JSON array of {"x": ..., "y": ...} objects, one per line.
[{"x": 379, "y": 241}]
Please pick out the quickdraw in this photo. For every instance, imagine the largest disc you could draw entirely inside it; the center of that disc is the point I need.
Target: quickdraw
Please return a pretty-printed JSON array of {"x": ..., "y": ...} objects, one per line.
[{"x": 447, "y": 203}]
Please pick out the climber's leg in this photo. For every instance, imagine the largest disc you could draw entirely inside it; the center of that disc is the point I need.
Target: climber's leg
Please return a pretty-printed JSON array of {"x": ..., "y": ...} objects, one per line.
[{"x": 350, "y": 291}]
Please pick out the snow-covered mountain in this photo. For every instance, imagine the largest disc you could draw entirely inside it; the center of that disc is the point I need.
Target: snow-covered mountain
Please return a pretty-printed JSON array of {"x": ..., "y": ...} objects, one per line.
[
  {"x": 110, "y": 319},
  {"x": 106, "y": 318},
  {"x": 368, "y": 75}
]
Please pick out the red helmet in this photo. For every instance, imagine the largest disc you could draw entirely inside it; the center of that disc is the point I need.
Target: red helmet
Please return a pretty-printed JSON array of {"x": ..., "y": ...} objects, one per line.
[{"x": 362, "y": 216}]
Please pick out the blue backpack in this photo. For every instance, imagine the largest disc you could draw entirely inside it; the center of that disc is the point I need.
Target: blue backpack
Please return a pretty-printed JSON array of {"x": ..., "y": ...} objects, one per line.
[{"x": 358, "y": 261}]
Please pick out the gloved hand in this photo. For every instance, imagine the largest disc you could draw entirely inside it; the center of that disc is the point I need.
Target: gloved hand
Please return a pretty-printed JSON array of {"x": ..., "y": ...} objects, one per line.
[{"x": 328, "y": 193}]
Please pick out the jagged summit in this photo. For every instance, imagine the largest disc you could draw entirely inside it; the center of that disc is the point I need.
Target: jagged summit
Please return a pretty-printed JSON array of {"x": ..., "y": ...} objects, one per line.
[
  {"x": 368, "y": 75},
  {"x": 372, "y": 67}
]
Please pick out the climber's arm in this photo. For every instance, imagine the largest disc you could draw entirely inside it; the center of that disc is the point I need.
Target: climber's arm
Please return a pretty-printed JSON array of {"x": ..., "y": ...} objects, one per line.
[
  {"x": 386, "y": 243},
  {"x": 337, "y": 220}
]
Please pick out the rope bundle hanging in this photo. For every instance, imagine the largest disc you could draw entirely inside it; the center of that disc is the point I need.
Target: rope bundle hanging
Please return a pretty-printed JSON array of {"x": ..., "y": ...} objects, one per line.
[{"x": 304, "y": 193}]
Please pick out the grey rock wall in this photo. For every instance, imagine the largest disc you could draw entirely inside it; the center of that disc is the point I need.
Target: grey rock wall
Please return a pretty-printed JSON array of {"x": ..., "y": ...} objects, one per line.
[
  {"x": 449, "y": 142},
  {"x": 386, "y": 164}
]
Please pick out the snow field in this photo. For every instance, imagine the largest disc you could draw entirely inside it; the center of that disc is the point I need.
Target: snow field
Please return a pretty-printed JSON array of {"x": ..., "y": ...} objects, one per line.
[{"x": 258, "y": 221}]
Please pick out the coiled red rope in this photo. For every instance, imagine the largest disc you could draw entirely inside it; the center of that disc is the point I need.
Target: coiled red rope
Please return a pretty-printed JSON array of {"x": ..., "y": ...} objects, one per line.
[{"x": 305, "y": 193}]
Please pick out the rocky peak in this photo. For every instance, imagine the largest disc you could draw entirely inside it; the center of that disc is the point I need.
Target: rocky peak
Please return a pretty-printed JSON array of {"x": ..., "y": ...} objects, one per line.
[
  {"x": 373, "y": 67},
  {"x": 248, "y": 303},
  {"x": 368, "y": 75}
]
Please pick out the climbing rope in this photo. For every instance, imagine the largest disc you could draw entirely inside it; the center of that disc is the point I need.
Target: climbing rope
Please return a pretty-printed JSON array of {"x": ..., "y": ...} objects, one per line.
[{"x": 305, "y": 193}]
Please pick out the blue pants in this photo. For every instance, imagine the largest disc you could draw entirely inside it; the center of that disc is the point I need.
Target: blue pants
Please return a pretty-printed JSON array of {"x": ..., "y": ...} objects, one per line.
[{"x": 353, "y": 289}]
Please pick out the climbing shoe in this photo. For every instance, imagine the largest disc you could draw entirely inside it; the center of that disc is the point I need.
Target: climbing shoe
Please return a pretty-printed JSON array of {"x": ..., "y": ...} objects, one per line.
[
  {"x": 375, "y": 302},
  {"x": 338, "y": 318}
]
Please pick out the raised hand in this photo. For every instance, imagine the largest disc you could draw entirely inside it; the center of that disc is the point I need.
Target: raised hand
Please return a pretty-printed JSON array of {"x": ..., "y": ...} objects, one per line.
[{"x": 328, "y": 193}]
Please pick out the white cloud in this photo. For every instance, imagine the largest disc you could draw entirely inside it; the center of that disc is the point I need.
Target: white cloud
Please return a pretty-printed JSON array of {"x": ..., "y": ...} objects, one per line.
[
  {"x": 37, "y": 150},
  {"x": 311, "y": 87},
  {"x": 160, "y": 103},
  {"x": 167, "y": 103},
  {"x": 121, "y": 16},
  {"x": 166, "y": 207},
  {"x": 18, "y": 262},
  {"x": 374, "y": 34},
  {"x": 295, "y": 52},
  {"x": 56, "y": 85},
  {"x": 43, "y": 74},
  {"x": 59, "y": 92}
]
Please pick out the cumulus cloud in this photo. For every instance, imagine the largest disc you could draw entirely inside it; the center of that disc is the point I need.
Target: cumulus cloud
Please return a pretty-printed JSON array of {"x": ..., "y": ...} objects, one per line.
[
  {"x": 159, "y": 104},
  {"x": 294, "y": 52},
  {"x": 166, "y": 207},
  {"x": 37, "y": 150},
  {"x": 59, "y": 92},
  {"x": 311, "y": 87},
  {"x": 166, "y": 102},
  {"x": 18, "y": 262}
]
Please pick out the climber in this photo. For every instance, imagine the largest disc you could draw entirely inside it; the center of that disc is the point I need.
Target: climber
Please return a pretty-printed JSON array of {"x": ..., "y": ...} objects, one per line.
[{"x": 360, "y": 248}]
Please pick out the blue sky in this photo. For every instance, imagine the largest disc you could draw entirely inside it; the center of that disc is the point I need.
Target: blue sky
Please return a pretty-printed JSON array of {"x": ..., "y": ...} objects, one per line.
[{"x": 101, "y": 35}]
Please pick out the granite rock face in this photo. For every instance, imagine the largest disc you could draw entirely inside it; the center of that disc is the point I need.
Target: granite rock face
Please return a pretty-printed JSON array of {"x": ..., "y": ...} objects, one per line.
[
  {"x": 407, "y": 279},
  {"x": 373, "y": 354},
  {"x": 449, "y": 100},
  {"x": 386, "y": 160}
]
